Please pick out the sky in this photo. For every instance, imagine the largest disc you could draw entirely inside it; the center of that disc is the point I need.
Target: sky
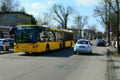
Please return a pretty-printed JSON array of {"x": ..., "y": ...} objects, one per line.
[{"x": 82, "y": 7}]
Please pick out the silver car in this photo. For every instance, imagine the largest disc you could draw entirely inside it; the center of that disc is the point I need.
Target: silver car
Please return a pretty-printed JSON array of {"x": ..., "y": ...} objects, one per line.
[
  {"x": 4, "y": 44},
  {"x": 83, "y": 46}
]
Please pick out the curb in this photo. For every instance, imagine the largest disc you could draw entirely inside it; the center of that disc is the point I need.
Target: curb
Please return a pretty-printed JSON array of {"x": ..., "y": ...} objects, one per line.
[
  {"x": 111, "y": 73},
  {"x": 4, "y": 52}
]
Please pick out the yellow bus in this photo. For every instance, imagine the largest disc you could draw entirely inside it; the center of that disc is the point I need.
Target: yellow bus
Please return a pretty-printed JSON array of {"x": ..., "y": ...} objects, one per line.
[{"x": 34, "y": 38}]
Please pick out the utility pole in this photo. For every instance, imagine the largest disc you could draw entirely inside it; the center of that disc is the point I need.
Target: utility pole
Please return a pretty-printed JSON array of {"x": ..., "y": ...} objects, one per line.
[
  {"x": 110, "y": 29},
  {"x": 107, "y": 13},
  {"x": 118, "y": 46}
]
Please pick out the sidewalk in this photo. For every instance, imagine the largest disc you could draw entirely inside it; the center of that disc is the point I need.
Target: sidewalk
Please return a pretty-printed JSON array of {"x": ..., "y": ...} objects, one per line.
[
  {"x": 4, "y": 52},
  {"x": 114, "y": 63}
]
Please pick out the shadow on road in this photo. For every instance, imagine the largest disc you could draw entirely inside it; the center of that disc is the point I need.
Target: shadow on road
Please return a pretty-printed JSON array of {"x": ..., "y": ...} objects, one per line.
[
  {"x": 97, "y": 54},
  {"x": 93, "y": 54},
  {"x": 116, "y": 67},
  {"x": 63, "y": 53},
  {"x": 6, "y": 52}
]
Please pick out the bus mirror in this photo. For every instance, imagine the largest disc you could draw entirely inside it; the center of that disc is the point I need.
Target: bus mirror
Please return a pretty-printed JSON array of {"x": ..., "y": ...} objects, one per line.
[{"x": 12, "y": 31}]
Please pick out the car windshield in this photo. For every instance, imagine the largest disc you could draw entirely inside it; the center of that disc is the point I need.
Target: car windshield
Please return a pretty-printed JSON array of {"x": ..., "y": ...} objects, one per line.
[
  {"x": 82, "y": 42},
  {"x": 100, "y": 40}
]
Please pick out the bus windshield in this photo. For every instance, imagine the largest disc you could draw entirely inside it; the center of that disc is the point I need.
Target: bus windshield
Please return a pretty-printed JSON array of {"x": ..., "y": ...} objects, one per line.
[{"x": 26, "y": 34}]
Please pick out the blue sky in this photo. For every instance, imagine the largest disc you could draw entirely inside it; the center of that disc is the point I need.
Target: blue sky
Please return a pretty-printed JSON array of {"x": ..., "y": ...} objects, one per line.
[{"x": 83, "y": 7}]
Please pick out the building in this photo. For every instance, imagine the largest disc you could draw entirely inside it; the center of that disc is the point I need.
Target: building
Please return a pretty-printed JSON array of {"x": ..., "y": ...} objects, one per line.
[
  {"x": 14, "y": 18},
  {"x": 84, "y": 34},
  {"x": 4, "y": 31},
  {"x": 8, "y": 20}
]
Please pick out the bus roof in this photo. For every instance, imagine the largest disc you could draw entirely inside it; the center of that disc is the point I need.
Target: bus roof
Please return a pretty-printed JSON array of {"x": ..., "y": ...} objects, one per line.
[
  {"x": 27, "y": 25},
  {"x": 70, "y": 31},
  {"x": 54, "y": 29}
]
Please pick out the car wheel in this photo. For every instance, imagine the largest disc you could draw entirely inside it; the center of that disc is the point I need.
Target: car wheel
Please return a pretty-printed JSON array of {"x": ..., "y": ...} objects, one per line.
[
  {"x": 74, "y": 52},
  {"x": 1, "y": 48},
  {"x": 90, "y": 53},
  {"x": 27, "y": 53},
  {"x": 7, "y": 48}
]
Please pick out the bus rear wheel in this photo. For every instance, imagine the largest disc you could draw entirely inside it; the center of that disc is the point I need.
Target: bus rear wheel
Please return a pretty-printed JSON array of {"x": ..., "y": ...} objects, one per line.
[{"x": 27, "y": 53}]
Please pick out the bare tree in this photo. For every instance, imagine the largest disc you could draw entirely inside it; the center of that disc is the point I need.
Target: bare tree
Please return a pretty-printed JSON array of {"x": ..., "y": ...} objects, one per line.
[
  {"x": 61, "y": 14},
  {"x": 102, "y": 12},
  {"x": 80, "y": 21},
  {"x": 22, "y": 10},
  {"x": 44, "y": 19},
  {"x": 110, "y": 16},
  {"x": 93, "y": 28},
  {"x": 9, "y": 5},
  {"x": 115, "y": 5}
]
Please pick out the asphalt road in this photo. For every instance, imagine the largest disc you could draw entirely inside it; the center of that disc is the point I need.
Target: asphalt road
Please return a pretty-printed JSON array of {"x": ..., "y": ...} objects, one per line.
[{"x": 57, "y": 65}]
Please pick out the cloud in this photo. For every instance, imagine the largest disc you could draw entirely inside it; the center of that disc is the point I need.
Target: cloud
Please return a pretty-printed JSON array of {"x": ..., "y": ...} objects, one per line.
[
  {"x": 88, "y": 2},
  {"x": 38, "y": 6},
  {"x": 50, "y": 2}
]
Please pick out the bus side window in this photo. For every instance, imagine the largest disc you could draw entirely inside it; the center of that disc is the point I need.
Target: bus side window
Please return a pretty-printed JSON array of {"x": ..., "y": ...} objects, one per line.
[
  {"x": 42, "y": 36},
  {"x": 58, "y": 36},
  {"x": 50, "y": 36}
]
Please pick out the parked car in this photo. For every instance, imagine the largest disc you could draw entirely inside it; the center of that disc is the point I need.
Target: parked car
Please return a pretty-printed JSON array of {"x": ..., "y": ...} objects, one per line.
[
  {"x": 83, "y": 46},
  {"x": 100, "y": 42},
  {"x": 4, "y": 44},
  {"x": 11, "y": 42}
]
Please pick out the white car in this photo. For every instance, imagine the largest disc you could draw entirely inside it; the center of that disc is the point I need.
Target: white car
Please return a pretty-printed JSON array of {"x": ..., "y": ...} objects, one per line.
[
  {"x": 83, "y": 46},
  {"x": 4, "y": 44}
]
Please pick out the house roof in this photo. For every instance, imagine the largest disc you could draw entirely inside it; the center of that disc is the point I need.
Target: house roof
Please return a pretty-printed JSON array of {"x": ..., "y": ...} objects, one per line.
[{"x": 16, "y": 13}]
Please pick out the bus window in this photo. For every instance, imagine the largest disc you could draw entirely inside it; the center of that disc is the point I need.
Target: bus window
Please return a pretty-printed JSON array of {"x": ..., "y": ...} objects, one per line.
[
  {"x": 59, "y": 36},
  {"x": 50, "y": 36},
  {"x": 42, "y": 36},
  {"x": 68, "y": 36}
]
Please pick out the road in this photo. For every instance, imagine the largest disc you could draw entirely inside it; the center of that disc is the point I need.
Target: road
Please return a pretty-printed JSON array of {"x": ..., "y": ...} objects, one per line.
[{"x": 57, "y": 65}]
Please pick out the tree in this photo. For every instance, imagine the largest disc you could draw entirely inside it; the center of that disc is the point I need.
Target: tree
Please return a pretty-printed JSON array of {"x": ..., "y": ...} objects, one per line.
[
  {"x": 114, "y": 4},
  {"x": 93, "y": 28},
  {"x": 80, "y": 21},
  {"x": 61, "y": 14},
  {"x": 111, "y": 14},
  {"x": 9, "y": 5},
  {"x": 22, "y": 10},
  {"x": 102, "y": 12},
  {"x": 33, "y": 20},
  {"x": 44, "y": 19}
]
